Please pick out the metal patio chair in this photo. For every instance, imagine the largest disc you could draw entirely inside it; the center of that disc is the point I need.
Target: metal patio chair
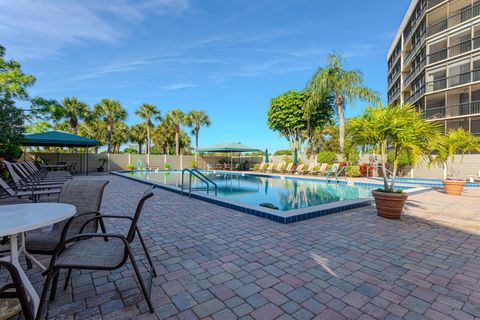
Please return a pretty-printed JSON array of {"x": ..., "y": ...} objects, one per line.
[
  {"x": 11, "y": 292},
  {"x": 89, "y": 251}
]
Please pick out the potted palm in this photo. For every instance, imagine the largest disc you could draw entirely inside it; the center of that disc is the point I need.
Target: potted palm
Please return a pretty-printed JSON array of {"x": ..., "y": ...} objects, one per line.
[
  {"x": 398, "y": 128},
  {"x": 102, "y": 161},
  {"x": 456, "y": 141}
]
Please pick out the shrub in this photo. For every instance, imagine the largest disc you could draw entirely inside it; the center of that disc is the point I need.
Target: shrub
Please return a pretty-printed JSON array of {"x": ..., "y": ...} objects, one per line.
[
  {"x": 366, "y": 170},
  {"x": 327, "y": 157},
  {"x": 10, "y": 152},
  {"x": 130, "y": 166},
  {"x": 353, "y": 171},
  {"x": 256, "y": 166},
  {"x": 168, "y": 166},
  {"x": 283, "y": 153},
  {"x": 193, "y": 163}
]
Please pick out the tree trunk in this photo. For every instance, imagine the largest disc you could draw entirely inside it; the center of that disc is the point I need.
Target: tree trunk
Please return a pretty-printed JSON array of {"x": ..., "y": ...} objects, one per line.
[
  {"x": 383, "y": 152},
  {"x": 147, "y": 148},
  {"x": 75, "y": 131},
  {"x": 196, "y": 138},
  {"x": 109, "y": 135},
  {"x": 140, "y": 148},
  {"x": 177, "y": 143},
  {"x": 341, "y": 126},
  {"x": 167, "y": 148}
]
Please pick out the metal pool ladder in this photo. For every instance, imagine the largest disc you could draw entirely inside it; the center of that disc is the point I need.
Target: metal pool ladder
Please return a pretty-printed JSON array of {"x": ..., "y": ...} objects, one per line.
[{"x": 200, "y": 176}]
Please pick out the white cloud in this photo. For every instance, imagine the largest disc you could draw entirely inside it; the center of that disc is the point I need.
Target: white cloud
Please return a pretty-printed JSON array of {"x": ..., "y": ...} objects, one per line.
[
  {"x": 179, "y": 86},
  {"x": 40, "y": 29}
]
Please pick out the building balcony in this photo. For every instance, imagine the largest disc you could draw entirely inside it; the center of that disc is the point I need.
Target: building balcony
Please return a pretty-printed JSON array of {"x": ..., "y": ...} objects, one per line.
[
  {"x": 434, "y": 3},
  {"x": 408, "y": 79},
  {"x": 463, "y": 15},
  {"x": 454, "y": 50},
  {"x": 453, "y": 81},
  {"x": 415, "y": 96},
  {"x": 459, "y": 110}
]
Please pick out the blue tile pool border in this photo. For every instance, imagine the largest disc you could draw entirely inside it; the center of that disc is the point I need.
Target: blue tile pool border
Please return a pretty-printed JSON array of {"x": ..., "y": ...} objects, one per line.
[
  {"x": 429, "y": 182},
  {"x": 284, "y": 217}
]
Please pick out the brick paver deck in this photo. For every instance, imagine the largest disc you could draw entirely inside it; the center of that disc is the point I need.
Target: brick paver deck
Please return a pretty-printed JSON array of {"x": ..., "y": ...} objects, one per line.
[{"x": 215, "y": 263}]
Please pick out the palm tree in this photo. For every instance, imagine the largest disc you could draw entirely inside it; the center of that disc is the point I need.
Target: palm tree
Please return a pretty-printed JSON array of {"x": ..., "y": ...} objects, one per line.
[
  {"x": 137, "y": 135},
  {"x": 345, "y": 85},
  {"x": 164, "y": 135},
  {"x": 196, "y": 119},
  {"x": 397, "y": 127},
  {"x": 178, "y": 118},
  {"x": 110, "y": 111},
  {"x": 148, "y": 111},
  {"x": 72, "y": 110}
]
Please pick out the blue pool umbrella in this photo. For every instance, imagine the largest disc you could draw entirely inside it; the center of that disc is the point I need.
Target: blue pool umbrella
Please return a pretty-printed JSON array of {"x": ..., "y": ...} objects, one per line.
[
  {"x": 266, "y": 156},
  {"x": 295, "y": 156}
]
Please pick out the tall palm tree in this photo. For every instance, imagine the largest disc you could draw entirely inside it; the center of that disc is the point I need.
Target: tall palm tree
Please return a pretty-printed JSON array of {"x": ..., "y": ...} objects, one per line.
[
  {"x": 345, "y": 85},
  {"x": 148, "y": 112},
  {"x": 196, "y": 119},
  {"x": 164, "y": 135},
  {"x": 72, "y": 110},
  {"x": 110, "y": 111},
  {"x": 137, "y": 135},
  {"x": 178, "y": 118}
]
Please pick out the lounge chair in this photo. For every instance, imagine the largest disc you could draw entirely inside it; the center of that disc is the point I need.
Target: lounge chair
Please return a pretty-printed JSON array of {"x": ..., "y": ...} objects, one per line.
[
  {"x": 310, "y": 169},
  {"x": 300, "y": 168},
  {"x": 11, "y": 292},
  {"x": 278, "y": 168},
  {"x": 261, "y": 167},
  {"x": 6, "y": 191},
  {"x": 269, "y": 168},
  {"x": 323, "y": 169},
  {"x": 26, "y": 182},
  {"x": 289, "y": 168},
  {"x": 89, "y": 251},
  {"x": 30, "y": 170}
]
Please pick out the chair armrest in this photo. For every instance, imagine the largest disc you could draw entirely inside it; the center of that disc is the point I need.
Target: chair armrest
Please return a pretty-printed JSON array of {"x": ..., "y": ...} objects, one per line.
[
  {"x": 101, "y": 216},
  {"x": 64, "y": 233}
]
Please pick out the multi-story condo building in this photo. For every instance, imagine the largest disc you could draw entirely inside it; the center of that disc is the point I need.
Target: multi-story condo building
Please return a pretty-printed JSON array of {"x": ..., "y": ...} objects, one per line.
[{"x": 434, "y": 62}]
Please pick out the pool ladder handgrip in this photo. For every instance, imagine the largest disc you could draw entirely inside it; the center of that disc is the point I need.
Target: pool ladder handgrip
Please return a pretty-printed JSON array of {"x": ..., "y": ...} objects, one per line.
[{"x": 200, "y": 176}]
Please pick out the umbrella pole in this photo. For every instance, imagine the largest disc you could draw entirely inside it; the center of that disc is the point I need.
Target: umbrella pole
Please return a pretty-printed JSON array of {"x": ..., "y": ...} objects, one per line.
[{"x": 86, "y": 167}]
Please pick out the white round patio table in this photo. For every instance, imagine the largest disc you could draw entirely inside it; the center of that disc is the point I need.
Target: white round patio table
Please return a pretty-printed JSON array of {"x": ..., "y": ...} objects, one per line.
[{"x": 16, "y": 219}]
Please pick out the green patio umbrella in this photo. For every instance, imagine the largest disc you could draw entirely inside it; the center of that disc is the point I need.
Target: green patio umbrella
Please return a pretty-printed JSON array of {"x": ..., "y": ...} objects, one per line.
[
  {"x": 295, "y": 156},
  {"x": 266, "y": 156}
]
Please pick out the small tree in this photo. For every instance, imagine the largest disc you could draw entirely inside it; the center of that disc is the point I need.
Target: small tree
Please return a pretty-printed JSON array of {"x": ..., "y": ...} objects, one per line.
[
  {"x": 398, "y": 127},
  {"x": 456, "y": 141}
]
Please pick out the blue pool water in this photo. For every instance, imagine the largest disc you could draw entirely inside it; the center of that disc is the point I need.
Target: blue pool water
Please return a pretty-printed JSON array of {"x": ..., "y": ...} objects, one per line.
[{"x": 282, "y": 194}]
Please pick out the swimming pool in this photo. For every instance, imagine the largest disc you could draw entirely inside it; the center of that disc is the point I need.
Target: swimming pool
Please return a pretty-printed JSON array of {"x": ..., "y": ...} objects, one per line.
[{"x": 280, "y": 198}]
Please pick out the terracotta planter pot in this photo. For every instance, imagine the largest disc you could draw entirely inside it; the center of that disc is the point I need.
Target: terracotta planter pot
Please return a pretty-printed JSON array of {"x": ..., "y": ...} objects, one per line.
[
  {"x": 453, "y": 187},
  {"x": 389, "y": 205}
]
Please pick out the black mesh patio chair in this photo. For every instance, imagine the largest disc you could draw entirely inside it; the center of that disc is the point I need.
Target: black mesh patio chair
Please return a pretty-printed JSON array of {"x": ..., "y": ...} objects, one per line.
[
  {"x": 89, "y": 251},
  {"x": 86, "y": 196},
  {"x": 13, "y": 297}
]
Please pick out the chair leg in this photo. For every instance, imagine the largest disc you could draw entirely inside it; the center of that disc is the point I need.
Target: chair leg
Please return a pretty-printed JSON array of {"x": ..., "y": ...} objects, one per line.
[
  {"x": 147, "y": 253},
  {"x": 43, "y": 298},
  {"x": 140, "y": 280},
  {"x": 104, "y": 230},
  {"x": 29, "y": 263},
  {"x": 21, "y": 295},
  {"x": 53, "y": 291},
  {"x": 67, "y": 280}
]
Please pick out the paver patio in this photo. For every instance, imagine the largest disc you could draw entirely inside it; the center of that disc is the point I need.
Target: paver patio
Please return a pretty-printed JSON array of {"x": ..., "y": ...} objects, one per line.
[{"x": 215, "y": 263}]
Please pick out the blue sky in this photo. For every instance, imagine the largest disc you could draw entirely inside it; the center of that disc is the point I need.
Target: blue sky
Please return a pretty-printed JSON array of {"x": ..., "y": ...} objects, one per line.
[{"x": 228, "y": 57}]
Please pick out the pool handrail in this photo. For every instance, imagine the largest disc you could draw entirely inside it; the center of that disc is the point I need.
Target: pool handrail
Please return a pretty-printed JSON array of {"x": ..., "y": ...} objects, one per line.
[
  {"x": 332, "y": 169},
  {"x": 199, "y": 174},
  {"x": 340, "y": 171},
  {"x": 201, "y": 177}
]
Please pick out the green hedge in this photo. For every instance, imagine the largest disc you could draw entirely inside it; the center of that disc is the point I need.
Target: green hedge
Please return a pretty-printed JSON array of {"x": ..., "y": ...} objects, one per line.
[
  {"x": 353, "y": 171},
  {"x": 327, "y": 157}
]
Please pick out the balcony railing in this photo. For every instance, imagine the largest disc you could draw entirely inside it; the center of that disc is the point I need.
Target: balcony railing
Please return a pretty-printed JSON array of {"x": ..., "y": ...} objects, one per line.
[
  {"x": 415, "y": 50},
  {"x": 414, "y": 72},
  {"x": 453, "y": 80},
  {"x": 463, "y": 15},
  {"x": 459, "y": 110},
  {"x": 438, "y": 56},
  {"x": 460, "y": 48},
  {"x": 433, "y": 3},
  {"x": 415, "y": 96}
]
